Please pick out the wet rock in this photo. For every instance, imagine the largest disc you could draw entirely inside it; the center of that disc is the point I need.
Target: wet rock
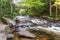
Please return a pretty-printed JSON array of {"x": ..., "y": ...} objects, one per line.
[
  {"x": 22, "y": 17},
  {"x": 58, "y": 24},
  {"x": 24, "y": 24},
  {"x": 23, "y": 20},
  {"x": 55, "y": 25},
  {"x": 40, "y": 22},
  {"x": 37, "y": 21}
]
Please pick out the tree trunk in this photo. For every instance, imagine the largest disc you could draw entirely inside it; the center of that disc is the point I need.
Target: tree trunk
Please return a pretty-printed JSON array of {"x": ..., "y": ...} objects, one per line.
[
  {"x": 11, "y": 7},
  {"x": 56, "y": 12},
  {"x": 50, "y": 8},
  {"x": 1, "y": 9}
]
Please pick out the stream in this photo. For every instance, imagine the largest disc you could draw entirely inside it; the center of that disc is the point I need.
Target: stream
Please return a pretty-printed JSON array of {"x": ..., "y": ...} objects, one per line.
[
  {"x": 24, "y": 24},
  {"x": 39, "y": 22}
]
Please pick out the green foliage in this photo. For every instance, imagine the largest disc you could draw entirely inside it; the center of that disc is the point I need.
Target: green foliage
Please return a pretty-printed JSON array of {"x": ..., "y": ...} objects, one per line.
[
  {"x": 36, "y": 7},
  {"x": 33, "y": 7},
  {"x": 5, "y": 9}
]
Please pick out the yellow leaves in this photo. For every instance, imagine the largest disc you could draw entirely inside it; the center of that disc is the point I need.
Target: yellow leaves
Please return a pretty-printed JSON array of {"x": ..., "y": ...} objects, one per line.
[{"x": 57, "y": 2}]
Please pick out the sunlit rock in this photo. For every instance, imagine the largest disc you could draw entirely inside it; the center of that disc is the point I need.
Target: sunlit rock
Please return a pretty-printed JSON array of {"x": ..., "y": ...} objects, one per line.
[
  {"x": 26, "y": 33},
  {"x": 10, "y": 36},
  {"x": 3, "y": 32}
]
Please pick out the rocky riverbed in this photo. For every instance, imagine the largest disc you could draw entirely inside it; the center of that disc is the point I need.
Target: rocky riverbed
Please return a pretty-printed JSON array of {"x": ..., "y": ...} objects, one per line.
[{"x": 36, "y": 27}]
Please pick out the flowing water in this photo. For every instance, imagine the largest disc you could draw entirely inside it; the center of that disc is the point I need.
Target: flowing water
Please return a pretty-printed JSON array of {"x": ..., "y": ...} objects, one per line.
[{"x": 54, "y": 26}]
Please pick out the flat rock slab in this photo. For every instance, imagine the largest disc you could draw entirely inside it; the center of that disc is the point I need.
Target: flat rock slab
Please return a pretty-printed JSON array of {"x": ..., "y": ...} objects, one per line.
[
  {"x": 10, "y": 35},
  {"x": 26, "y": 34}
]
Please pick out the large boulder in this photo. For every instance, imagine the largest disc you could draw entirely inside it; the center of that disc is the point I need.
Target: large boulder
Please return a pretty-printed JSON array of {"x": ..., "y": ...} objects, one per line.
[
  {"x": 26, "y": 33},
  {"x": 23, "y": 20},
  {"x": 7, "y": 21}
]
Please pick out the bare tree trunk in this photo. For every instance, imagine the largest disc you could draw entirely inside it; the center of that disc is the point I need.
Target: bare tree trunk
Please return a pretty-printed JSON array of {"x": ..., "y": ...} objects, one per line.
[
  {"x": 50, "y": 8},
  {"x": 56, "y": 11},
  {"x": 1, "y": 9},
  {"x": 11, "y": 7}
]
